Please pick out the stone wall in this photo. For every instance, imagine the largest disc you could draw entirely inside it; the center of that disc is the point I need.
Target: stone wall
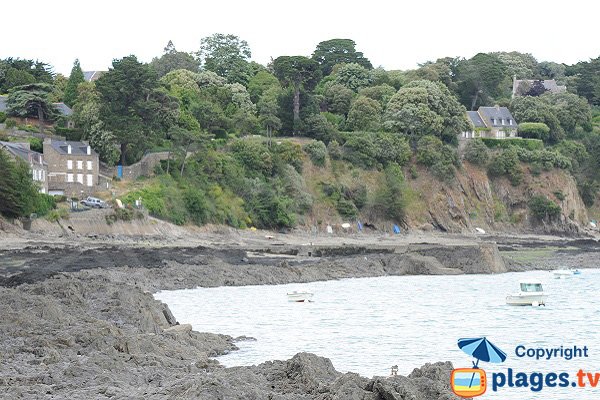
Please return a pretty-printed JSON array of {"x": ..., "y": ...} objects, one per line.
[{"x": 144, "y": 167}]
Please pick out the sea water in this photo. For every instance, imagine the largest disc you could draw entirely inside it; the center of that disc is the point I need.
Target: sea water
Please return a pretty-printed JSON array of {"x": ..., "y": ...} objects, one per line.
[{"x": 366, "y": 325}]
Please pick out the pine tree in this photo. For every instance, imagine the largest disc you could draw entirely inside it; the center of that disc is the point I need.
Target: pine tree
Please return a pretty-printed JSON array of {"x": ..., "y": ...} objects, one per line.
[{"x": 75, "y": 79}]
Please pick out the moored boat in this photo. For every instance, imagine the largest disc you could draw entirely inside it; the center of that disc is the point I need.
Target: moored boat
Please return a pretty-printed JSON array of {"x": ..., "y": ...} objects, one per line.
[
  {"x": 299, "y": 297},
  {"x": 531, "y": 294}
]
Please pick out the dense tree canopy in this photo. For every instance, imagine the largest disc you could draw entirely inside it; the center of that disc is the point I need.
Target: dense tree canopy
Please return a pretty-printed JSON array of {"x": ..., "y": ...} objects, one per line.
[
  {"x": 227, "y": 56},
  {"x": 172, "y": 60},
  {"x": 296, "y": 72},
  {"x": 32, "y": 100},
  {"x": 338, "y": 51},
  {"x": 75, "y": 78},
  {"x": 425, "y": 108},
  {"x": 132, "y": 106}
]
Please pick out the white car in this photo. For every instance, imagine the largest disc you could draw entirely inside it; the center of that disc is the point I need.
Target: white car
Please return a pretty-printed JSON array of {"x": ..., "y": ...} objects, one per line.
[{"x": 94, "y": 202}]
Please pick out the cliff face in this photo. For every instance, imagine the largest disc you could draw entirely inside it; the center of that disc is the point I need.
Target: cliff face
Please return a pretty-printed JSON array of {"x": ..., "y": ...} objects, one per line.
[{"x": 473, "y": 200}]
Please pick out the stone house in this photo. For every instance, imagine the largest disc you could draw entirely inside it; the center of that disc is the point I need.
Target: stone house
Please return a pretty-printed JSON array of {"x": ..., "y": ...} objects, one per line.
[
  {"x": 491, "y": 122},
  {"x": 35, "y": 160},
  {"x": 535, "y": 87},
  {"x": 72, "y": 168}
]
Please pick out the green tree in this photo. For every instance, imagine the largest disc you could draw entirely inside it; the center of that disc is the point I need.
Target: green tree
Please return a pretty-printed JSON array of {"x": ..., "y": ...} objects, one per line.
[
  {"x": 338, "y": 51},
  {"x": 390, "y": 200},
  {"x": 18, "y": 72},
  {"x": 571, "y": 110},
  {"x": 382, "y": 93},
  {"x": 86, "y": 114},
  {"x": 75, "y": 78},
  {"x": 353, "y": 76},
  {"x": 543, "y": 208},
  {"x": 19, "y": 196},
  {"x": 338, "y": 99},
  {"x": 32, "y": 100},
  {"x": 482, "y": 80},
  {"x": 296, "y": 72},
  {"x": 131, "y": 105},
  {"x": 536, "y": 109},
  {"x": 425, "y": 108},
  {"x": 172, "y": 60},
  {"x": 227, "y": 56},
  {"x": 261, "y": 82},
  {"x": 364, "y": 115},
  {"x": 268, "y": 110}
]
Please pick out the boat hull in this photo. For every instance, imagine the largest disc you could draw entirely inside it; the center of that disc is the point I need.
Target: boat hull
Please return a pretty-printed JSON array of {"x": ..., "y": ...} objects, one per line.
[
  {"x": 526, "y": 299},
  {"x": 299, "y": 297}
]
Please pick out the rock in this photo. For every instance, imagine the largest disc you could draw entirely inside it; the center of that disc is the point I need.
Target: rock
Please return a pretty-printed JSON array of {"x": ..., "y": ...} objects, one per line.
[{"x": 183, "y": 328}]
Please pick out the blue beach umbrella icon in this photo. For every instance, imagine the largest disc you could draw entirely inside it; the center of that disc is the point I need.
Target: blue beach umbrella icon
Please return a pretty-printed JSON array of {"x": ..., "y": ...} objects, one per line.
[{"x": 483, "y": 350}]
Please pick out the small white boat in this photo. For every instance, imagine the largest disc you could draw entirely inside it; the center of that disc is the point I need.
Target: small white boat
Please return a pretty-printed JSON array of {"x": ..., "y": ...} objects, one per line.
[
  {"x": 563, "y": 273},
  {"x": 299, "y": 297},
  {"x": 576, "y": 271},
  {"x": 531, "y": 294}
]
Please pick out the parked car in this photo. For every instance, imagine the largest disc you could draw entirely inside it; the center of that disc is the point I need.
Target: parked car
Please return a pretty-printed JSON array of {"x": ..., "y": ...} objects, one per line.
[{"x": 94, "y": 202}]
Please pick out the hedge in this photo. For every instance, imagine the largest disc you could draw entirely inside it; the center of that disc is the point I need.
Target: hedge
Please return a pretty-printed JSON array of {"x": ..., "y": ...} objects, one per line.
[{"x": 529, "y": 144}]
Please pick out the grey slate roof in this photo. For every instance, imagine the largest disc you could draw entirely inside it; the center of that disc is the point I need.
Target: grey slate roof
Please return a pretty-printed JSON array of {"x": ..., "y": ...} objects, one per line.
[
  {"x": 91, "y": 76},
  {"x": 77, "y": 148},
  {"x": 493, "y": 116},
  {"x": 549, "y": 84},
  {"x": 22, "y": 151},
  {"x": 63, "y": 109},
  {"x": 475, "y": 119}
]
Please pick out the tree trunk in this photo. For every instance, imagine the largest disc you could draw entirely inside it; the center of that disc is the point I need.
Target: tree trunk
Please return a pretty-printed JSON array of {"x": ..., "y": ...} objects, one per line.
[
  {"x": 474, "y": 100},
  {"x": 168, "y": 162},
  {"x": 296, "y": 108},
  {"x": 123, "y": 150},
  {"x": 40, "y": 118},
  {"x": 184, "y": 157}
]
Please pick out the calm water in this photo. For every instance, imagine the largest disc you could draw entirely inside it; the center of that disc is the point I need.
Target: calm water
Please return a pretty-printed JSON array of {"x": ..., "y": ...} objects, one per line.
[{"x": 366, "y": 325}]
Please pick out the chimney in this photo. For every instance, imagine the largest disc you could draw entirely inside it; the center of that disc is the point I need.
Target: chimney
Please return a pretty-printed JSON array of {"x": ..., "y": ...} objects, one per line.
[
  {"x": 68, "y": 149},
  {"x": 89, "y": 151}
]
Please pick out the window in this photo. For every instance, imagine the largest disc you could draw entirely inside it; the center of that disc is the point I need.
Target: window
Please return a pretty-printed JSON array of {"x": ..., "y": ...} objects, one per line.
[
  {"x": 501, "y": 121},
  {"x": 69, "y": 177},
  {"x": 69, "y": 164},
  {"x": 89, "y": 165},
  {"x": 493, "y": 121},
  {"x": 80, "y": 178},
  {"x": 90, "y": 179},
  {"x": 510, "y": 121},
  {"x": 79, "y": 164}
]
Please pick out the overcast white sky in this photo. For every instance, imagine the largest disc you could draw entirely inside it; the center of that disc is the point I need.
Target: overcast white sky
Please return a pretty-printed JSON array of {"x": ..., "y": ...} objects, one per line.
[{"x": 394, "y": 34}]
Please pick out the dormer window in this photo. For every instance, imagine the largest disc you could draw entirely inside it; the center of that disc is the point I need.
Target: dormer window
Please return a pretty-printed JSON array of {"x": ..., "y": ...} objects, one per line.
[
  {"x": 502, "y": 121},
  {"x": 493, "y": 121},
  {"x": 510, "y": 121}
]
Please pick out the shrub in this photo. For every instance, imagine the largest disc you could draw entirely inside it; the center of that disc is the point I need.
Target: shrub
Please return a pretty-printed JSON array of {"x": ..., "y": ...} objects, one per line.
[
  {"x": 444, "y": 172},
  {"x": 254, "y": 156},
  {"x": 439, "y": 157},
  {"x": 317, "y": 151},
  {"x": 534, "y": 130},
  {"x": 390, "y": 200},
  {"x": 2, "y": 117},
  {"x": 58, "y": 214},
  {"x": 476, "y": 152},
  {"x": 360, "y": 150},
  {"x": 195, "y": 204},
  {"x": 507, "y": 163},
  {"x": 287, "y": 153},
  {"x": 543, "y": 208},
  {"x": 123, "y": 214},
  {"x": 334, "y": 149},
  {"x": 529, "y": 144},
  {"x": 36, "y": 144},
  {"x": 10, "y": 123},
  {"x": 346, "y": 208}
]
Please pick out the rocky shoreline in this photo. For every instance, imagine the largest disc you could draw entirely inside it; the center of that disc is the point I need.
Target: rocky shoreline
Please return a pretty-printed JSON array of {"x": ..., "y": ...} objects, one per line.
[{"x": 80, "y": 322}]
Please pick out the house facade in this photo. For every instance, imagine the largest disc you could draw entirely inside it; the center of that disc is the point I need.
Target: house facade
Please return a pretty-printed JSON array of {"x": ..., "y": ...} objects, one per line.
[
  {"x": 72, "y": 168},
  {"x": 491, "y": 122},
  {"x": 35, "y": 160}
]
